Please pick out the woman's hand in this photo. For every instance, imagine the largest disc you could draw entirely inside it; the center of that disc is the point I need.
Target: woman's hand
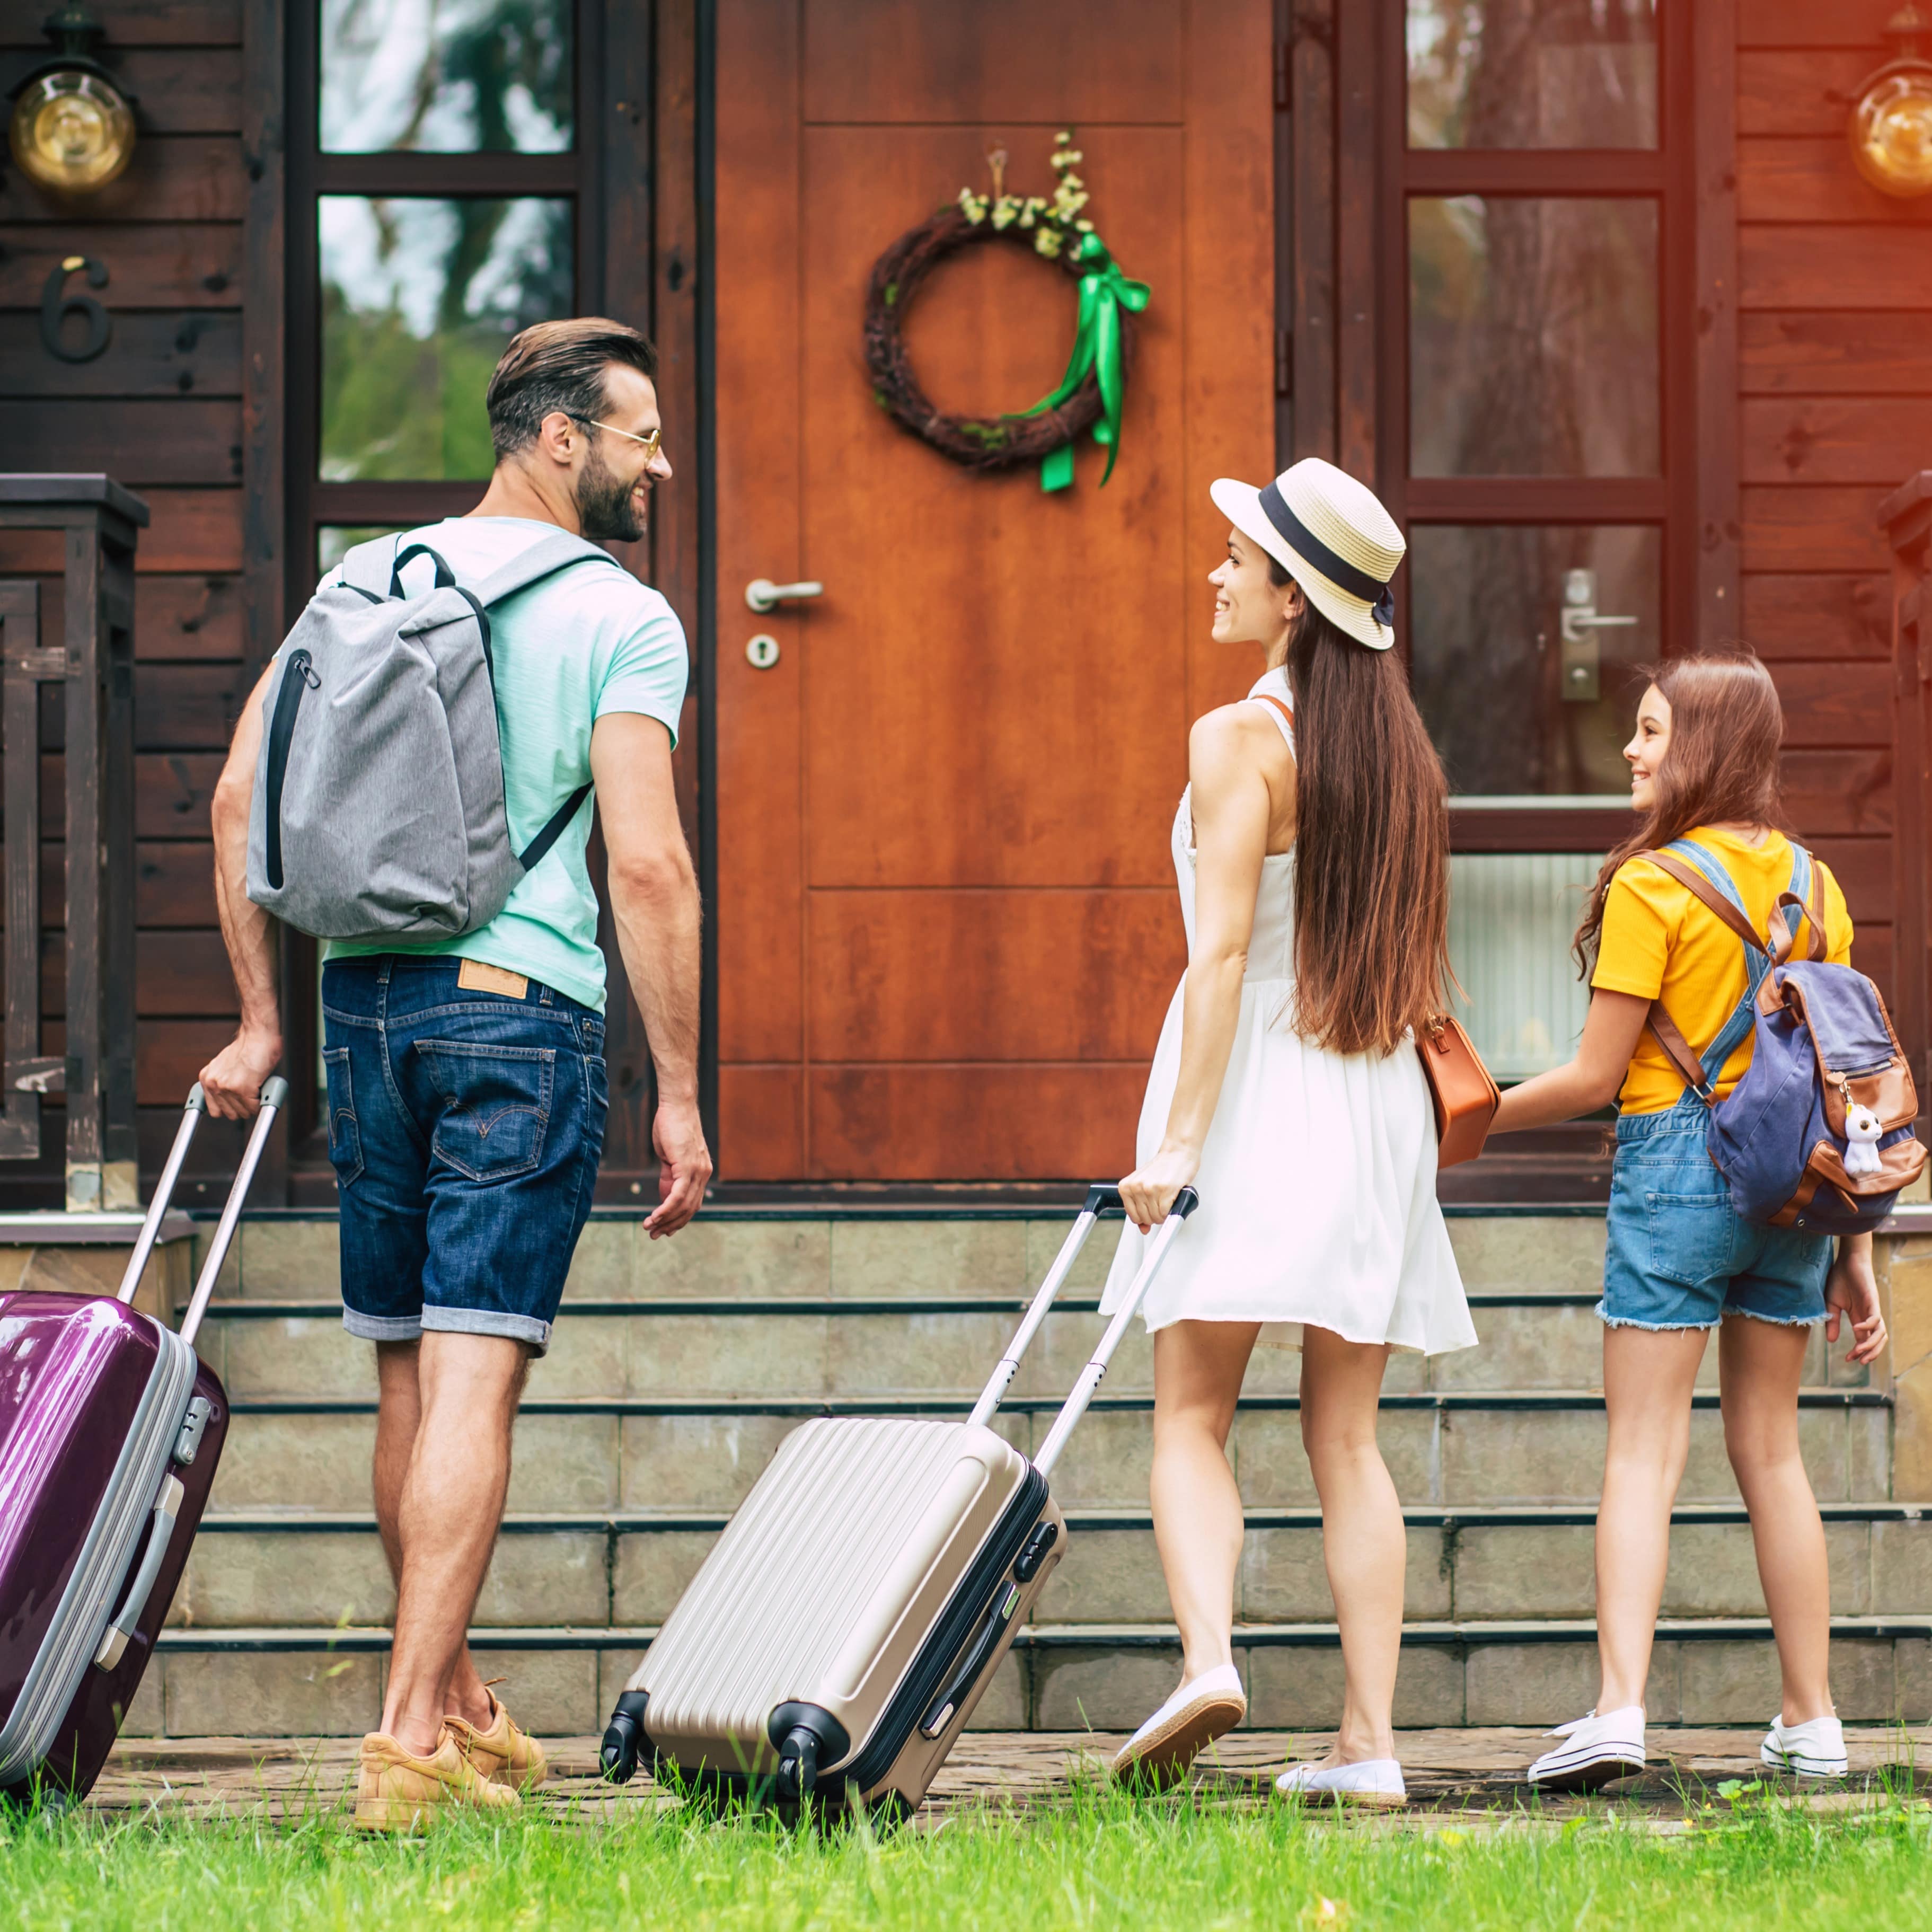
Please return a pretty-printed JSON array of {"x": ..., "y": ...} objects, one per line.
[
  {"x": 1148, "y": 1194},
  {"x": 1851, "y": 1292}
]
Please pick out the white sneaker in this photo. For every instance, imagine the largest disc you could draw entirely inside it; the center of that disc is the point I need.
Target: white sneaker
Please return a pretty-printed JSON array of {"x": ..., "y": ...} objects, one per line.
[
  {"x": 1600, "y": 1750},
  {"x": 1813, "y": 1749},
  {"x": 1375, "y": 1780},
  {"x": 1197, "y": 1714}
]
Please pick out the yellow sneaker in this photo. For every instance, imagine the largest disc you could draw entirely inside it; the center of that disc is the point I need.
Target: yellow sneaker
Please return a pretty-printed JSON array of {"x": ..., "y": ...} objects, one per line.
[
  {"x": 503, "y": 1753},
  {"x": 396, "y": 1792}
]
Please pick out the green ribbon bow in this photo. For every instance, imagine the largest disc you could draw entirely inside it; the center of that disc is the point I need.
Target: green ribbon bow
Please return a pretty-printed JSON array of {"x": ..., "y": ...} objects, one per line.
[{"x": 1104, "y": 292}]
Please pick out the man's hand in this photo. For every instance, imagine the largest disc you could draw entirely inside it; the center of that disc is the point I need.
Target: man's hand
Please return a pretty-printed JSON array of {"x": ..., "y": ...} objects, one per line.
[
  {"x": 684, "y": 1167},
  {"x": 1851, "y": 1293},
  {"x": 232, "y": 1082}
]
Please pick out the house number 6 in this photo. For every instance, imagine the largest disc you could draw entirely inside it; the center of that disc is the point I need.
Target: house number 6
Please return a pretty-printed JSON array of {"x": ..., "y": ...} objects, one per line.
[{"x": 56, "y": 307}]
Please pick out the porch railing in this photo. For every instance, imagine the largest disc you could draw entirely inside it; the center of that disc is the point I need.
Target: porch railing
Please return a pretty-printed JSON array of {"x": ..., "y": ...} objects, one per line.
[{"x": 91, "y": 665}]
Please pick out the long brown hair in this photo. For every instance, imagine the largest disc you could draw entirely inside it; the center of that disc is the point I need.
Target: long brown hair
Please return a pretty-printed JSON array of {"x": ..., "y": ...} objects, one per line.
[
  {"x": 1371, "y": 847},
  {"x": 1721, "y": 767}
]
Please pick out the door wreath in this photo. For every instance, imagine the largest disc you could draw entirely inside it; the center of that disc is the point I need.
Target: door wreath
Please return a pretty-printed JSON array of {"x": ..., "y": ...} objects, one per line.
[{"x": 1089, "y": 396}]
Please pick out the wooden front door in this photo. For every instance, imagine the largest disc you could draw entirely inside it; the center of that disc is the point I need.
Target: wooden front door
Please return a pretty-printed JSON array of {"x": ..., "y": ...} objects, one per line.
[{"x": 945, "y": 916}]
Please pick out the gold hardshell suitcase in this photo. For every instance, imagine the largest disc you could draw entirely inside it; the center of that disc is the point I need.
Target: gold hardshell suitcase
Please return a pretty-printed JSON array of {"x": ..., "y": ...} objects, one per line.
[{"x": 840, "y": 1632}]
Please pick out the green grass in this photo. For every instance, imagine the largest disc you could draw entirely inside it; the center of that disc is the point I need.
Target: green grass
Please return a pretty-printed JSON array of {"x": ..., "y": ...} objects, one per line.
[{"x": 1099, "y": 1860}]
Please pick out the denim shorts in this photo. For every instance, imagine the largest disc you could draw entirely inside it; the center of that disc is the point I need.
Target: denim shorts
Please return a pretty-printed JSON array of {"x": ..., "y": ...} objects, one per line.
[
  {"x": 1680, "y": 1256},
  {"x": 465, "y": 1128}
]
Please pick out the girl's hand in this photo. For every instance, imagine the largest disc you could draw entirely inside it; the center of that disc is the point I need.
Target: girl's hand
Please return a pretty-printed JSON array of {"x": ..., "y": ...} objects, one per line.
[
  {"x": 1851, "y": 1292},
  {"x": 1148, "y": 1194}
]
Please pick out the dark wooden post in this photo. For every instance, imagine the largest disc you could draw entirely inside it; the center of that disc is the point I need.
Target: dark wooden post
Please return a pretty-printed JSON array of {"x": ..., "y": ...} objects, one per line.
[
  {"x": 95, "y": 660},
  {"x": 1906, "y": 516}
]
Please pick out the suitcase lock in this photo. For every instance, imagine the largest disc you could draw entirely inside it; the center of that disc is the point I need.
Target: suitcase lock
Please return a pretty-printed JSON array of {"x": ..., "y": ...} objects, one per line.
[{"x": 197, "y": 1420}]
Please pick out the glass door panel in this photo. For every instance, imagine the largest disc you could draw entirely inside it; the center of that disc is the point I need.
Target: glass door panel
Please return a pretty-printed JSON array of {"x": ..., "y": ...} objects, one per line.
[
  {"x": 1525, "y": 642},
  {"x": 446, "y": 76},
  {"x": 1532, "y": 73},
  {"x": 1510, "y": 917},
  {"x": 1533, "y": 337}
]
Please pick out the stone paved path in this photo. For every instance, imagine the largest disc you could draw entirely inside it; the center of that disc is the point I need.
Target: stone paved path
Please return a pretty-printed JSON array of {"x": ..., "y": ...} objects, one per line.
[{"x": 1472, "y": 1775}]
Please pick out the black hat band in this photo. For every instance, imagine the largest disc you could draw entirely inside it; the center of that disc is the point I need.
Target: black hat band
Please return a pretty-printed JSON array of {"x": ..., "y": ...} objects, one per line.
[{"x": 1338, "y": 570}]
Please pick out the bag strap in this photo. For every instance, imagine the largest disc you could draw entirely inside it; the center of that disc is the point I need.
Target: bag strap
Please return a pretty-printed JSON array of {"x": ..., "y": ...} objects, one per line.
[
  {"x": 534, "y": 853},
  {"x": 1690, "y": 1066},
  {"x": 542, "y": 559},
  {"x": 445, "y": 577},
  {"x": 1287, "y": 712},
  {"x": 1805, "y": 898}
]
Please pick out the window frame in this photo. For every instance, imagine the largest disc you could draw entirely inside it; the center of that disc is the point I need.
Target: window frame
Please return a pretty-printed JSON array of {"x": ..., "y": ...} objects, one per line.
[
  {"x": 1668, "y": 502},
  {"x": 311, "y": 504}
]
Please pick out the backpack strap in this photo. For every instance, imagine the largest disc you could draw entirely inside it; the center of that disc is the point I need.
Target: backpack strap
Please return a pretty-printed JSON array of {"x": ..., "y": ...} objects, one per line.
[
  {"x": 1803, "y": 901},
  {"x": 533, "y": 854},
  {"x": 542, "y": 559},
  {"x": 1693, "y": 868}
]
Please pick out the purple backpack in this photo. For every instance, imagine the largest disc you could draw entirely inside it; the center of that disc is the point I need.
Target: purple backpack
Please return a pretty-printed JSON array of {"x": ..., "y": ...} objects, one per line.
[{"x": 1818, "y": 1133}]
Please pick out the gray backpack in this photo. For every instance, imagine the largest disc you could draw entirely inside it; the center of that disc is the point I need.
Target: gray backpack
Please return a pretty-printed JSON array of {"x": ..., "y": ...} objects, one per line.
[{"x": 378, "y": 811}]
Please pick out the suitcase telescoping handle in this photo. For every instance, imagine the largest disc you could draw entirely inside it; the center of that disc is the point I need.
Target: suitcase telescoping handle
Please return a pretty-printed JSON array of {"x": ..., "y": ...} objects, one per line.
[
  {"x": 1102, "y": 1203},
  {"x": 274, "y": 1097}
]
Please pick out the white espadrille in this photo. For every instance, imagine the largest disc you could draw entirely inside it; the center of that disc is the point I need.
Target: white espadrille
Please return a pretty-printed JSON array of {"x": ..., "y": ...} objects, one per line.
[
  {"x": 1597, "y": 1750},
  {"x": 1375, "y": 1780},
  {"x": 1197, "y": 1714},
  {"x": 1813, "y": 1749}
]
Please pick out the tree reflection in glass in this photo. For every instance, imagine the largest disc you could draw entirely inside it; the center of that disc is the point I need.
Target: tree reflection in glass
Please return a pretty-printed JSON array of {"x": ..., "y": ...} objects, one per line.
[
  {"x": 446, "y": 76},
  {"x": 1532, "y": 73},
  {"x": 1533, "y": 337},
  {"x": 418, "y": 297}
]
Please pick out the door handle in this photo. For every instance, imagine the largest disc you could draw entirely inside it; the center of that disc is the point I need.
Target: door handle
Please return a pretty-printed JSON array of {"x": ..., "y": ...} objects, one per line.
[{"x": 762, "y": 594}]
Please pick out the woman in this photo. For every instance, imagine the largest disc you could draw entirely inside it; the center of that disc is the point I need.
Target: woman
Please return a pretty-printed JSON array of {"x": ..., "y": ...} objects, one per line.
[
  {"x": 1680, "y": 1262},
  {"x": 1314, "y": 884}
]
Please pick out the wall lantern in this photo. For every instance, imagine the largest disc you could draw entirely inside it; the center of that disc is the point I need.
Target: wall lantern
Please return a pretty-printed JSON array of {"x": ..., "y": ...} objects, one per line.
[
  {"x": 72, "y": 127},
  {"x": 1891, "y": 130}
]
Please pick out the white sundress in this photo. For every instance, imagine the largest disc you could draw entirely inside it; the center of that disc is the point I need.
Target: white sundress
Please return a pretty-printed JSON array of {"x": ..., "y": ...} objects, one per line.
[{"x": 1318, "y": 1177}]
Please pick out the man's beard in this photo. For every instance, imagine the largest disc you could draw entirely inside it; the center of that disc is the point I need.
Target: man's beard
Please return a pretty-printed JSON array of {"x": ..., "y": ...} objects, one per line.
[{"x": 605, "y": 506}]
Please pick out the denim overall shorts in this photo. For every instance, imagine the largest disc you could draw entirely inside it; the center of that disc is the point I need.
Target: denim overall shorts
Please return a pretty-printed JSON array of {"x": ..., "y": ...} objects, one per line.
[{"x": 1679, "y": 1256}]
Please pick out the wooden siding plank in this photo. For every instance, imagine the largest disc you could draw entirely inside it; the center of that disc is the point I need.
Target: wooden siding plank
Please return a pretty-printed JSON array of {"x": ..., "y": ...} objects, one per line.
[
  {"x": 179, "y": 91},
  {"x": 189, "y": 530},
  {"x": 171, "y": 791},
  {"x": 1863, "y": 869},
  {"x": 178, "y": 976},
  {"x": 1811, "y": 23},
  {"x": 185, "y": 265},
  {"x": 1814, "y": 180},
  {"x": 1828, "y": 705},
  {"x": 172, "y": 178},
  {"x": 154, "y": 23},
  {"x": 1836, "y": 616},
  {"x": 1786, "y": 353},
  {"x": 264, "y": 438},
  {"x": 999, "y": 1123},
  {"x": 175, "y": 617},
  {"x": 1062, "y": 975},
  {"x": 174, "y": 883},
  {"x": 136, "y": 443},
  {"x": 1810, "y": 527},
  {"x": 197, "y": 353},
  {"x": 1785, "y": 93},
  {"x": 1836, "y": 440},
  {"x": 1840, "y": 793},
  {"x": 187, "y": 707},
  {"x": 1785, "y": 265}
]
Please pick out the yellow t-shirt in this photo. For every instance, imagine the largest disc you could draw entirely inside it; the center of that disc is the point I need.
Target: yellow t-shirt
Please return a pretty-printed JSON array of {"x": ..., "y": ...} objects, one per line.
[{"x": 1659, "y": 939}]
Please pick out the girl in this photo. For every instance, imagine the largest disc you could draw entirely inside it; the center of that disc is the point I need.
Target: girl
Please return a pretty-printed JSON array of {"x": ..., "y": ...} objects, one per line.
[
  {"x": 1680, "y": 1262},
  {"x": 1314, "y": 886}
]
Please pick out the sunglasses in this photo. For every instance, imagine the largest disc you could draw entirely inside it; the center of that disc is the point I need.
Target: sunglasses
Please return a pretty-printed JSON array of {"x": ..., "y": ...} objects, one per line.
[{"x": 650, "y": 442}]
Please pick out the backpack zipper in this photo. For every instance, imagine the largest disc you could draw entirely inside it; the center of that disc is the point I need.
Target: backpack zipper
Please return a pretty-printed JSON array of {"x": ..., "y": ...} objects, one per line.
[{"x": 299, "y": 676}]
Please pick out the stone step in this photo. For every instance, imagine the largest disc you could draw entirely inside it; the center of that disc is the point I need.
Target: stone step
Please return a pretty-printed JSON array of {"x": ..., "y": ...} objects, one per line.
[
  {"x": 1467, "y": 1447},
  {"x": 282, "y": 1682},
  {"x": 629, "y": 1568},
  {"x": 877, "y": 1252},
  {"x": 940, "y": 1346}
]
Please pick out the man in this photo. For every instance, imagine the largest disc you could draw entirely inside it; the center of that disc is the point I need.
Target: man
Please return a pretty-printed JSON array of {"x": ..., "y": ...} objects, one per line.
[{"x": 467, "y": 1091}]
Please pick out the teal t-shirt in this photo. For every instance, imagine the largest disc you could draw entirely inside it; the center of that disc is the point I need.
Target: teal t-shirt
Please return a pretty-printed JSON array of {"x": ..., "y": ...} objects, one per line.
[{"x": 570, "y": 649}]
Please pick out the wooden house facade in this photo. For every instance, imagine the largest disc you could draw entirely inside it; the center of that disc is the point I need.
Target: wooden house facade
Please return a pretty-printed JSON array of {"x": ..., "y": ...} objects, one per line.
[{"x": 1592, "y": 293}]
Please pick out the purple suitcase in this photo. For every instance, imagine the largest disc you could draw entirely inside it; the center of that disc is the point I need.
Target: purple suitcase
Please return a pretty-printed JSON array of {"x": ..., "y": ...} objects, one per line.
[{"x": 110, "y": 1429}]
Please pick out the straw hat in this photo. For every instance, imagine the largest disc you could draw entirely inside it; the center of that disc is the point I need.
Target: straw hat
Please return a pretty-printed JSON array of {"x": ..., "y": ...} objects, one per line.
[{"x": 1331, "y": 534}]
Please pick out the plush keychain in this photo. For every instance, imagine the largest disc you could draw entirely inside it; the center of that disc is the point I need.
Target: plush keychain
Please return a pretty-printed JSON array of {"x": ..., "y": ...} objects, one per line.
[{"x": 1862, "y": 1130}]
